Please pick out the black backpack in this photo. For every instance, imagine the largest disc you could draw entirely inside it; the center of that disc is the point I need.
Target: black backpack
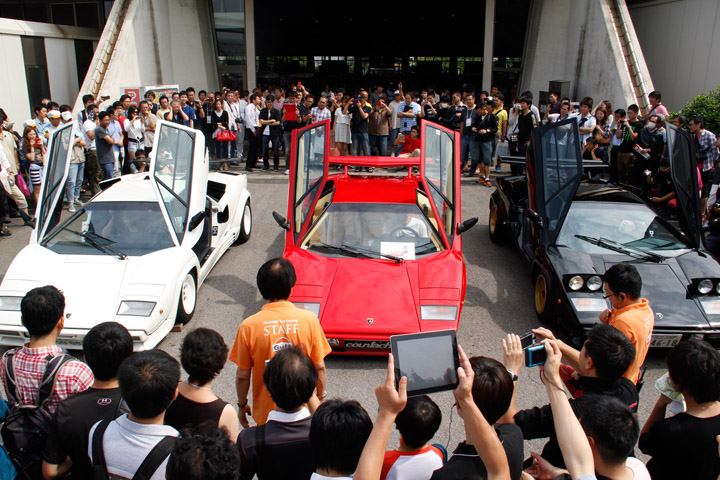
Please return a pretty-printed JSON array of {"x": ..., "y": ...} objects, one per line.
[
  {"x": 26, "y": 425},
  {"x": 147, "y": 468}
]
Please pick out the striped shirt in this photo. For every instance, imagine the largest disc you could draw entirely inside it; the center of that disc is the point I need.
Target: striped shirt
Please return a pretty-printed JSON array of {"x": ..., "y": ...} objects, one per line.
[
  {"x": 318, "y": 115},
  {"x": 707, "y": 142}
]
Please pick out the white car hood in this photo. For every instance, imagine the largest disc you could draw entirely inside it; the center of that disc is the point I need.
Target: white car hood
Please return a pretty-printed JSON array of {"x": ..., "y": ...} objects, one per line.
[{"x": 93, "y": 285}]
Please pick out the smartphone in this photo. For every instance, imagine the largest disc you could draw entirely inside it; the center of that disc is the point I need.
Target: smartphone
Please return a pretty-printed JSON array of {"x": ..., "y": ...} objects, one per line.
[
  {"x": 429, "y": 360},
  {"x": 535, "y": 355},
  {"x": 527, "y": 339}
]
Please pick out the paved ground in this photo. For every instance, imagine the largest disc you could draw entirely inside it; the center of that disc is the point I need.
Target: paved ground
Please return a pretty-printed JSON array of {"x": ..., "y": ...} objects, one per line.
[{"x": 499, "y": 300}]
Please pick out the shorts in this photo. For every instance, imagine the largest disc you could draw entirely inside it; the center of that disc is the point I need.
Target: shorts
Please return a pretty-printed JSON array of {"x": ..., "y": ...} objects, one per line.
[{"x": 134, "y": 147}]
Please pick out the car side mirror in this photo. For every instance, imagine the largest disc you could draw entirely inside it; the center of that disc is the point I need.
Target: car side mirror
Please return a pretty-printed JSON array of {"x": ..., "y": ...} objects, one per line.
[
  {"x": 281, "y": 221},
  {"x": 196, "y": 220},
  {"x": 536, "y": 218},
  {"x": 466, "y": 225}
]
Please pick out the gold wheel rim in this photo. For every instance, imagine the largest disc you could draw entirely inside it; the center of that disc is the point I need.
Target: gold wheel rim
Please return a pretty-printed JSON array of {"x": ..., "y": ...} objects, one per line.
[
  {"x": 540, "y": 294},
  {"x": 493, "y": 220}
]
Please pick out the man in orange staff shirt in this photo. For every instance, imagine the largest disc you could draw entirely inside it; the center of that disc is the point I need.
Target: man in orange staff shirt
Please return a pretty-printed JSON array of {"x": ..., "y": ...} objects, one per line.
[
  {"x": 630, "y": 313},
  {"x": 278, "y": 325}
]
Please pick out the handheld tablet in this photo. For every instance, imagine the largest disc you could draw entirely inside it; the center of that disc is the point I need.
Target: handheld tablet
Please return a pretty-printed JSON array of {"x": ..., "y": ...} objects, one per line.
[{"x": 429, "y": 360}]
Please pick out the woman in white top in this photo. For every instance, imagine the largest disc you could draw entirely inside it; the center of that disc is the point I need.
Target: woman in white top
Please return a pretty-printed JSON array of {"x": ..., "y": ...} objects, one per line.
[
  {"x": 342, "y": 127},
  {"x": 135, "y": 128}
]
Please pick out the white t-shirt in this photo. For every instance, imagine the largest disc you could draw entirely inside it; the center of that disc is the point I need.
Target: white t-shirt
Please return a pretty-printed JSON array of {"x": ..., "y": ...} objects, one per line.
[
  {"x": 412, "y": 465},
  {"x": 586, "y": 122},
  {"x": 340, "y": 118},
  {"x": 127, "y": 443},
  {"x": 86, "y": 127},
  {"x": 135, "y": 128}
]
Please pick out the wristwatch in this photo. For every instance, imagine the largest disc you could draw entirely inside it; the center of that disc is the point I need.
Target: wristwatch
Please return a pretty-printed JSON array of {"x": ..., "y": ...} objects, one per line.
[{"x": 513, "y": 375}]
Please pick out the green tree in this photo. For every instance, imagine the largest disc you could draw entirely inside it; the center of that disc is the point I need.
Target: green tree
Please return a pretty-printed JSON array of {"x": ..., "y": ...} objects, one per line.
[{"x": 706, "y": 106}]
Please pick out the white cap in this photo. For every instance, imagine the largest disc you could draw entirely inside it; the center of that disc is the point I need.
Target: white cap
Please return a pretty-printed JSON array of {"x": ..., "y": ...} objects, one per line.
[
  {"x": 29, "y": 123},
  {"x": 54, "y": 114},
  {"x": 67, "y": 116}
]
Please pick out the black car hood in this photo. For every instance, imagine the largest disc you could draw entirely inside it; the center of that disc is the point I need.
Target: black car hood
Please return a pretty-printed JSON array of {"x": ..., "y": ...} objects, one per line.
[{"x": 664, "y": 285}]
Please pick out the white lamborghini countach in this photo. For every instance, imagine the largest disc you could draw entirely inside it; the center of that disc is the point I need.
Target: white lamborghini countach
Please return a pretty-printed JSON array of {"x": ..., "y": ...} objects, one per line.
[{"x": 137, "y": 252}]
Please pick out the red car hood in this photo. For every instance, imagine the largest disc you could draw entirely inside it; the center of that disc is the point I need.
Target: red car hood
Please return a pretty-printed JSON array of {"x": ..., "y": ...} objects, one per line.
[{"x": 361, "y": 296}]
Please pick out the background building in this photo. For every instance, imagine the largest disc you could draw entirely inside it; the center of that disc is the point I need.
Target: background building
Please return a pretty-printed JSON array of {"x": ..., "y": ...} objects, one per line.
[{"x": 59, "y": 48}]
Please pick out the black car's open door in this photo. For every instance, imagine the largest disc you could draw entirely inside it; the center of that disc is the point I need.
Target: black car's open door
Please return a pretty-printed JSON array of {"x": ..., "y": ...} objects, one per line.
[
  {"x": 554, "y": 172},
  {"x": 308, "y": 170},
  {"x": 683, "y": 170}
]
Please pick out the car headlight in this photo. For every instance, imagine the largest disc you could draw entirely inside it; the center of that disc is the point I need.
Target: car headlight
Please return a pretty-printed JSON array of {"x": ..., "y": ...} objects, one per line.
[
  {"x": 705, "y": 286},
  {"x": 594, "y": 283},
  {"x": 717, "y": 288},
  {"x": 576, "y": 283},
  {"x": 10, "y": 304},
  {"x": 584, "y": 304},
  {"x": 309, "y": 306},
  {"x": 711, "y": 305},
  {"x": 438, "y": 312},
  {"x": 136, "y": 308}
]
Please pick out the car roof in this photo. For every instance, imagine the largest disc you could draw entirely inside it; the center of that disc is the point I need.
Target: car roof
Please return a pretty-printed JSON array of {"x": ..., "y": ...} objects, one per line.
[
  {"x": 605, "y": 193},
  {"x": 374, "y": 189},
  {"x": 135, "y": 188}
]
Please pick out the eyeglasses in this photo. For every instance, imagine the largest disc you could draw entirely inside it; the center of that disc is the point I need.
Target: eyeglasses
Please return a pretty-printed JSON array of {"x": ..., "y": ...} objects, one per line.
[{"x": 605, "y": 297}]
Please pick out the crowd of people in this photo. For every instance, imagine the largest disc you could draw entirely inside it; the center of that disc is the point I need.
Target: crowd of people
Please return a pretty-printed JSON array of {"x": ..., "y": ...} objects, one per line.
[{"x": 120, "y": 414}]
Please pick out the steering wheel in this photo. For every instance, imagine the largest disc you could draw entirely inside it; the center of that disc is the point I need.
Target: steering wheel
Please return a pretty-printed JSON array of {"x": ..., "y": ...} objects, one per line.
[{"x": 403, "y": 231}]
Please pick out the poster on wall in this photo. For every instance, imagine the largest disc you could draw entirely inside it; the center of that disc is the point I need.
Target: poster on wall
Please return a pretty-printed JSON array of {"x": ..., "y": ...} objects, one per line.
[
  {"x": 134, "y": 94},
  {"x": 160, "y": 90}
]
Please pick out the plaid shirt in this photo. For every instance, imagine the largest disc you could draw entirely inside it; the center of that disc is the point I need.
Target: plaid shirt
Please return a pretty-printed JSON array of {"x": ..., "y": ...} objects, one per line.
[
  {"x": 29, "y": 363},
  {"x": 320, "y": 115},
  {"x": 707, "y": 140}
]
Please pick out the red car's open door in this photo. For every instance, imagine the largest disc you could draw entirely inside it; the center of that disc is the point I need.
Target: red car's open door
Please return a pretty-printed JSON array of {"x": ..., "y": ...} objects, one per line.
[
  {"x": 308, "y": 171},
  {"x": 440, "y": 175}
]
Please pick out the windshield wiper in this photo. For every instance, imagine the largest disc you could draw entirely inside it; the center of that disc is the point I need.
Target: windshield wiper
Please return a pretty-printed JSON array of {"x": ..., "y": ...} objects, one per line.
[
  {"x": 624, "y": 249},
  {"x": 371, "y": 253},
  {"x": 103, "y": 248}
]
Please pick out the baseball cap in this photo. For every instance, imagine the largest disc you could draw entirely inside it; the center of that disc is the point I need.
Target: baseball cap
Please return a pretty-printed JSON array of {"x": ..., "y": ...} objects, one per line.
[
  {"x": 67, "y": 116},
  {"x": 54, "y": 114},
  {"x": 397, "y": 92},
  {"x": 29, "y": 123}
]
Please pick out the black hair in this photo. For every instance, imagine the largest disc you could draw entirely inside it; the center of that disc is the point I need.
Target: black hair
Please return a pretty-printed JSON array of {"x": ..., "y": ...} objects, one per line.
[
  {"x": 123, "y": 98},
  {"x": 163, "y": 96},
  {"x": 694, "y": 367},
  {"x": 698, "y": 121},
  {"x": 116, "y": 104},
  {"x": 587, "y": 102},
  {"x": 655, "y": 94},
  {"x": 416, "y": 128},
  {"x": 87, "y": 98},
  {"x": 634, "y": 108},
  {"x": 612, "y": 425},
  {"x": 41, "y": 309},
  {"x": 527, "y": 94},
  {"x": 275, "y": 279},
  {"x": 290, "y": 377},
  {"x": 149, "y": 92},
  {"x": 681, "y": 118},
  {"x": 527, "y": 100},
  {"x": 203, "y": 355},
  {"x": 620, "y": 112},
  {"x": 445, "y": 99},
  {"x": 103, "y": 114},
  {"x": 52, "y": 105},
  {"x": 131, "y": 109},
  {"x": 65, "y": 108},
  {"x": 481, "y": 105},
  {"x": 39, "y": 107},
  {"x": 188, "y": 90},
  {"x": 492, "y": 387},
  {"x": 338, "y": 432},
  {"x": 105, "y": 347},
  {"x": 181, "y": 93},
  {"x": 204, "y": 452},
  {"x": 91, "y": 107},
  {"x": 418, "y": 421},
  {"x": 624, "y": 278},
  {"x": 610, "y": 350},
  {"x": 254, "y": 96},
  {"x": 148, "y": 382},
  {"x": 664, "y": 162},
  {"x": 202, "y": 92}
]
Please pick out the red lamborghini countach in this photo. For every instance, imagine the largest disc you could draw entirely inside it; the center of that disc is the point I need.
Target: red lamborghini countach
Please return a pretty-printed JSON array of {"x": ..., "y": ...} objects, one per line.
[{"x": 376, "y": 255}]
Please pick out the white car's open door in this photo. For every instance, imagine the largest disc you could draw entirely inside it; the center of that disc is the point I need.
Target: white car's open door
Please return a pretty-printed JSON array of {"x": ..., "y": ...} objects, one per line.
[
  {"x": 57, "y": 164},
  {"x": 179, "y": 169}
]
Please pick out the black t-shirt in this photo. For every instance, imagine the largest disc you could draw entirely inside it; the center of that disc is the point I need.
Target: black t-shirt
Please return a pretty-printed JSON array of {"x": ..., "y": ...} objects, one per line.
[
  {"x": 430, "y": 114},
  {"x": 71, "y": 425},
  {"x": 683, "y": 446},
  {"x": 358, "y": 124},
  {"x": 525, "y": 125},
  {"x": 466, "y": 462},
  {"x": 627, "y": 144}
]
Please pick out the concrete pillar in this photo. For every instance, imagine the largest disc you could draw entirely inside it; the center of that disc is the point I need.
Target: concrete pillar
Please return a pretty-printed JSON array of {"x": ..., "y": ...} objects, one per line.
[
  {"x": 251, "y": 77},
  {"x": 488, "y": 44}
]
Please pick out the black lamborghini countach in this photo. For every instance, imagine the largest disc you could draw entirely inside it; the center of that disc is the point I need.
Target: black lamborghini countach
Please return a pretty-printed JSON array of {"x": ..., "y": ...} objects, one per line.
[{"x": 571, "y": 231}]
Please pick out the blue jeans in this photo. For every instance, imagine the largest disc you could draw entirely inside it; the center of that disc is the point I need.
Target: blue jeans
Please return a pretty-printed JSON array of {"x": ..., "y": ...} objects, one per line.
[
  {"x": 361, "y": 141},
  {"x": 379, "y": 141},
  {"x": 221, "y": 149},
  {"x": 107, "y": 169},
  {"x": 75, "y": 181},
  {"x": 466, "y": 150},
  {"x": 391, "y": 141}
]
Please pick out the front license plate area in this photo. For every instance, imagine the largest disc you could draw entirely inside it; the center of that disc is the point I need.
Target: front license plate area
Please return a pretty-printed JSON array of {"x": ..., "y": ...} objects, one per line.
[{"x": 665, "y": 341}]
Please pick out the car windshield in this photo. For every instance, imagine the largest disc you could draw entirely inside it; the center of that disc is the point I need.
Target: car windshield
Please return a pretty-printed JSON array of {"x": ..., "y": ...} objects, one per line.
[
  {"x": 634, "y": 226},
  {"x": 119, "y": 228},
  {"x": 399, "y": 230}
]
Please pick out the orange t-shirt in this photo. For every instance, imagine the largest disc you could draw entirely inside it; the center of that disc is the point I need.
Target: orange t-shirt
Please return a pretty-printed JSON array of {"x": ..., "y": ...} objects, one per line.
[
  {"x": 636, "y": 322},
  {"x": 276, "y": 326}
]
